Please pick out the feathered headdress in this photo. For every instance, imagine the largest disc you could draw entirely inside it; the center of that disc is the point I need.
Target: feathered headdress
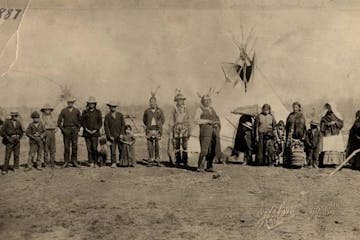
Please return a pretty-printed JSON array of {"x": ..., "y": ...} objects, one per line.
[
  {"x": 207, "y": 95},
  {"x": 153, "y": 93}
]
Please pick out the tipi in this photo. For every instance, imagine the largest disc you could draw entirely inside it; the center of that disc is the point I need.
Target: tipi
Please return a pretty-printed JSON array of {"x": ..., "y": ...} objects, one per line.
[{"x": 230, "y": 99}]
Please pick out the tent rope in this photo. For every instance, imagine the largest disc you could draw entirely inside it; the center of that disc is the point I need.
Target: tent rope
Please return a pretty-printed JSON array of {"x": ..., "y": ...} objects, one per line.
[{"x": 270, "y": 85}]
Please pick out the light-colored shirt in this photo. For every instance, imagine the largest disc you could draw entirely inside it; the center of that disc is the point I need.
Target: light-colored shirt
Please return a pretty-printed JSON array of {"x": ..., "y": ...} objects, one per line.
[
  {"x": 49, "y": 121},
  {"x": 153, "y": 121},
  {"x": 266, "y": 123}
]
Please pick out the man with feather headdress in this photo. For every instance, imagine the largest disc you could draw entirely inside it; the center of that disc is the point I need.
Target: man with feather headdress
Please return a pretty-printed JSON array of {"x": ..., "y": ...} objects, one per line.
[{"x": 153, "y": 120}]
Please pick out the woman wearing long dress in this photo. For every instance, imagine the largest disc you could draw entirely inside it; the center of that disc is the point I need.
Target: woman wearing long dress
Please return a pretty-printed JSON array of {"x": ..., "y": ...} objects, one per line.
[
  {"x": 332, "y": 140},
  {"x": 265, "y": 137},
  {"x": 354, "y": 142},
  {"x": 295, "y": 129}
]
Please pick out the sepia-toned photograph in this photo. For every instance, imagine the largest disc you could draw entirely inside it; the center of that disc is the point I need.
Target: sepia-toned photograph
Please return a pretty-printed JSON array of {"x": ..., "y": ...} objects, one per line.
[{"x": 174, "y": 119}]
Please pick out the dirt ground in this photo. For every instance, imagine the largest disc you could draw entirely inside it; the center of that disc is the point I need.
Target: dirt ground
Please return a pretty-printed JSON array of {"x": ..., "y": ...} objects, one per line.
[{"x": 238, "y": 202}]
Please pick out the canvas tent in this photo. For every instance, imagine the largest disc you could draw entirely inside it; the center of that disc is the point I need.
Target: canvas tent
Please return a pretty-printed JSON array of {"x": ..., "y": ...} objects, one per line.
[{"x": 232, "y": 101}]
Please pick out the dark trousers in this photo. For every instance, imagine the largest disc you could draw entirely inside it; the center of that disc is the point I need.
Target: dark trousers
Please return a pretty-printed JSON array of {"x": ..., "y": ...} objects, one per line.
[
  {"x": 181, "y": 155},
  {"x": 265, "y": 150},
  {"x": 50, "y": 147},
  {"x": 101, "y": 158},
  {"x": 70, "y": 136},
  {"x": 36, "y": 150},
  {"x": 9, "y": 149},
  {"x": 153, "y": 149},
  {"x": 91, "y": 146},
  {"x": 312, "y": 156},
  {"x": 115, "y": 144},
  {"x": 209, "y": 150}
]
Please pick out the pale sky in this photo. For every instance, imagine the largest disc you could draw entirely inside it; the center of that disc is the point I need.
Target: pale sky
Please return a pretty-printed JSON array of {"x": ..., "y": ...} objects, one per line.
[{"x": 122, "y": 49}]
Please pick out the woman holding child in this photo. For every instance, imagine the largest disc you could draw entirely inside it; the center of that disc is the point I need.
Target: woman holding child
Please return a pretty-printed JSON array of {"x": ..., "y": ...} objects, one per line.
[{"x": 295, "y": 130}]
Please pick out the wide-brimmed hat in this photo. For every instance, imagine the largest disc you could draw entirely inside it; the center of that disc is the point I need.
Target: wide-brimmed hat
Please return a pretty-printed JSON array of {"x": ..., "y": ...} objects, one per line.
[
  {"x": 46, "y": 107},
  {"x": 35, "y": 115},
  {"x": 247, "y": 125},
  {"x": 71, "y": 99},
  {"x": 179, "y": 96},
  {"x": 112, "y": 104},
  {"x": 91, "y": 100},
  {"x": 14, "y": 113}
]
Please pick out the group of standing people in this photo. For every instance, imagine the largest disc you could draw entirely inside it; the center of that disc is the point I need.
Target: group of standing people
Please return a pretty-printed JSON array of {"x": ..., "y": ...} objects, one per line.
[
  {"x": 275, "y": 142},
  {"x": 272, "y": 142},
  {"x": 42, "y": 130},
  {"x": 118, "y": 135}
]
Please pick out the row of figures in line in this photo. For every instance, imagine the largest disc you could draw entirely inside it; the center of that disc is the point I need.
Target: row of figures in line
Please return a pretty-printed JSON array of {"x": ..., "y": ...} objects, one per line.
[
  {"x": 272, "y": 143},
  {"x": 118, "y": 135}
]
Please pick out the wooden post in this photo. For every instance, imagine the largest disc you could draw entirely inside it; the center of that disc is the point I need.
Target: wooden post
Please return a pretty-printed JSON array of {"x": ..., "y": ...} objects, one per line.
[{"x": 346, "y": 161}]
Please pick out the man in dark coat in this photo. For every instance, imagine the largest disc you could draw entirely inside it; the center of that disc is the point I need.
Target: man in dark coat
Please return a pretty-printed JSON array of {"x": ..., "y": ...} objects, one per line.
[
  {"x": 69, "y": 122},
  {"x": 12, "y": 131},
  {"x": 114, "y": 125},
  {"x": 153, "y": 120},
  {"x": 91, "y": 123},
  {"x": 209, "y": 123}
]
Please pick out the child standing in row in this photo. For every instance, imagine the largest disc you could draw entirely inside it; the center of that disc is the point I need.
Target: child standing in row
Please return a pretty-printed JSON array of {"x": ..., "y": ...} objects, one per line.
[
  {"x": 280, "y": 143},
  {"x": 102, "y": 151},
  {"x": 128, "y": 153},
  {"x": 312, "y": 145},
  {"x": 36, "y": 133}
]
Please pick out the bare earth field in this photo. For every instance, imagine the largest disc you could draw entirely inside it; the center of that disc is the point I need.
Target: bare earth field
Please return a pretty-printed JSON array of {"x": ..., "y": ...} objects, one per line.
[{"x": 240, "y": 202}]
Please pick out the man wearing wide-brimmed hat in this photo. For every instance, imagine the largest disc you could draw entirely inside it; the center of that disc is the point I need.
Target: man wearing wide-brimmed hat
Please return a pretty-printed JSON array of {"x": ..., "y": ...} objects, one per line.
[
  {"x": 209, "y": 123},
  {"x": 179, "y": 125},
  {"x": 91, "y": 123},
  {"x": 50, "y": 141},
  {"x": 114, "y": 125},
  {"x": 69, "y": 122},
  {"x": 12, "y": 131}
]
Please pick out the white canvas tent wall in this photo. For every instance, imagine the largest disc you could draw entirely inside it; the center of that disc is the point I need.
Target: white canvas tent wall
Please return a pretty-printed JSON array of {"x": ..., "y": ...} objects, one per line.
[{"x": 259, "y": 92}]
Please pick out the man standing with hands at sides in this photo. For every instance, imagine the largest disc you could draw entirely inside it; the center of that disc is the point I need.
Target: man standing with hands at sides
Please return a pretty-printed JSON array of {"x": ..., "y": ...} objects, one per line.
[
  {"x": 209, "y": 123},
  {"x": 179, "y": 129},
  {"x": 69, "y": 122},
  {"x": 114, "y": 125},
  {"x": 12, "y": 132},
  {"x": 50, "y": 141},
  {"x": 91, "y": 123},
  {"x": 153, "y": 120}
]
